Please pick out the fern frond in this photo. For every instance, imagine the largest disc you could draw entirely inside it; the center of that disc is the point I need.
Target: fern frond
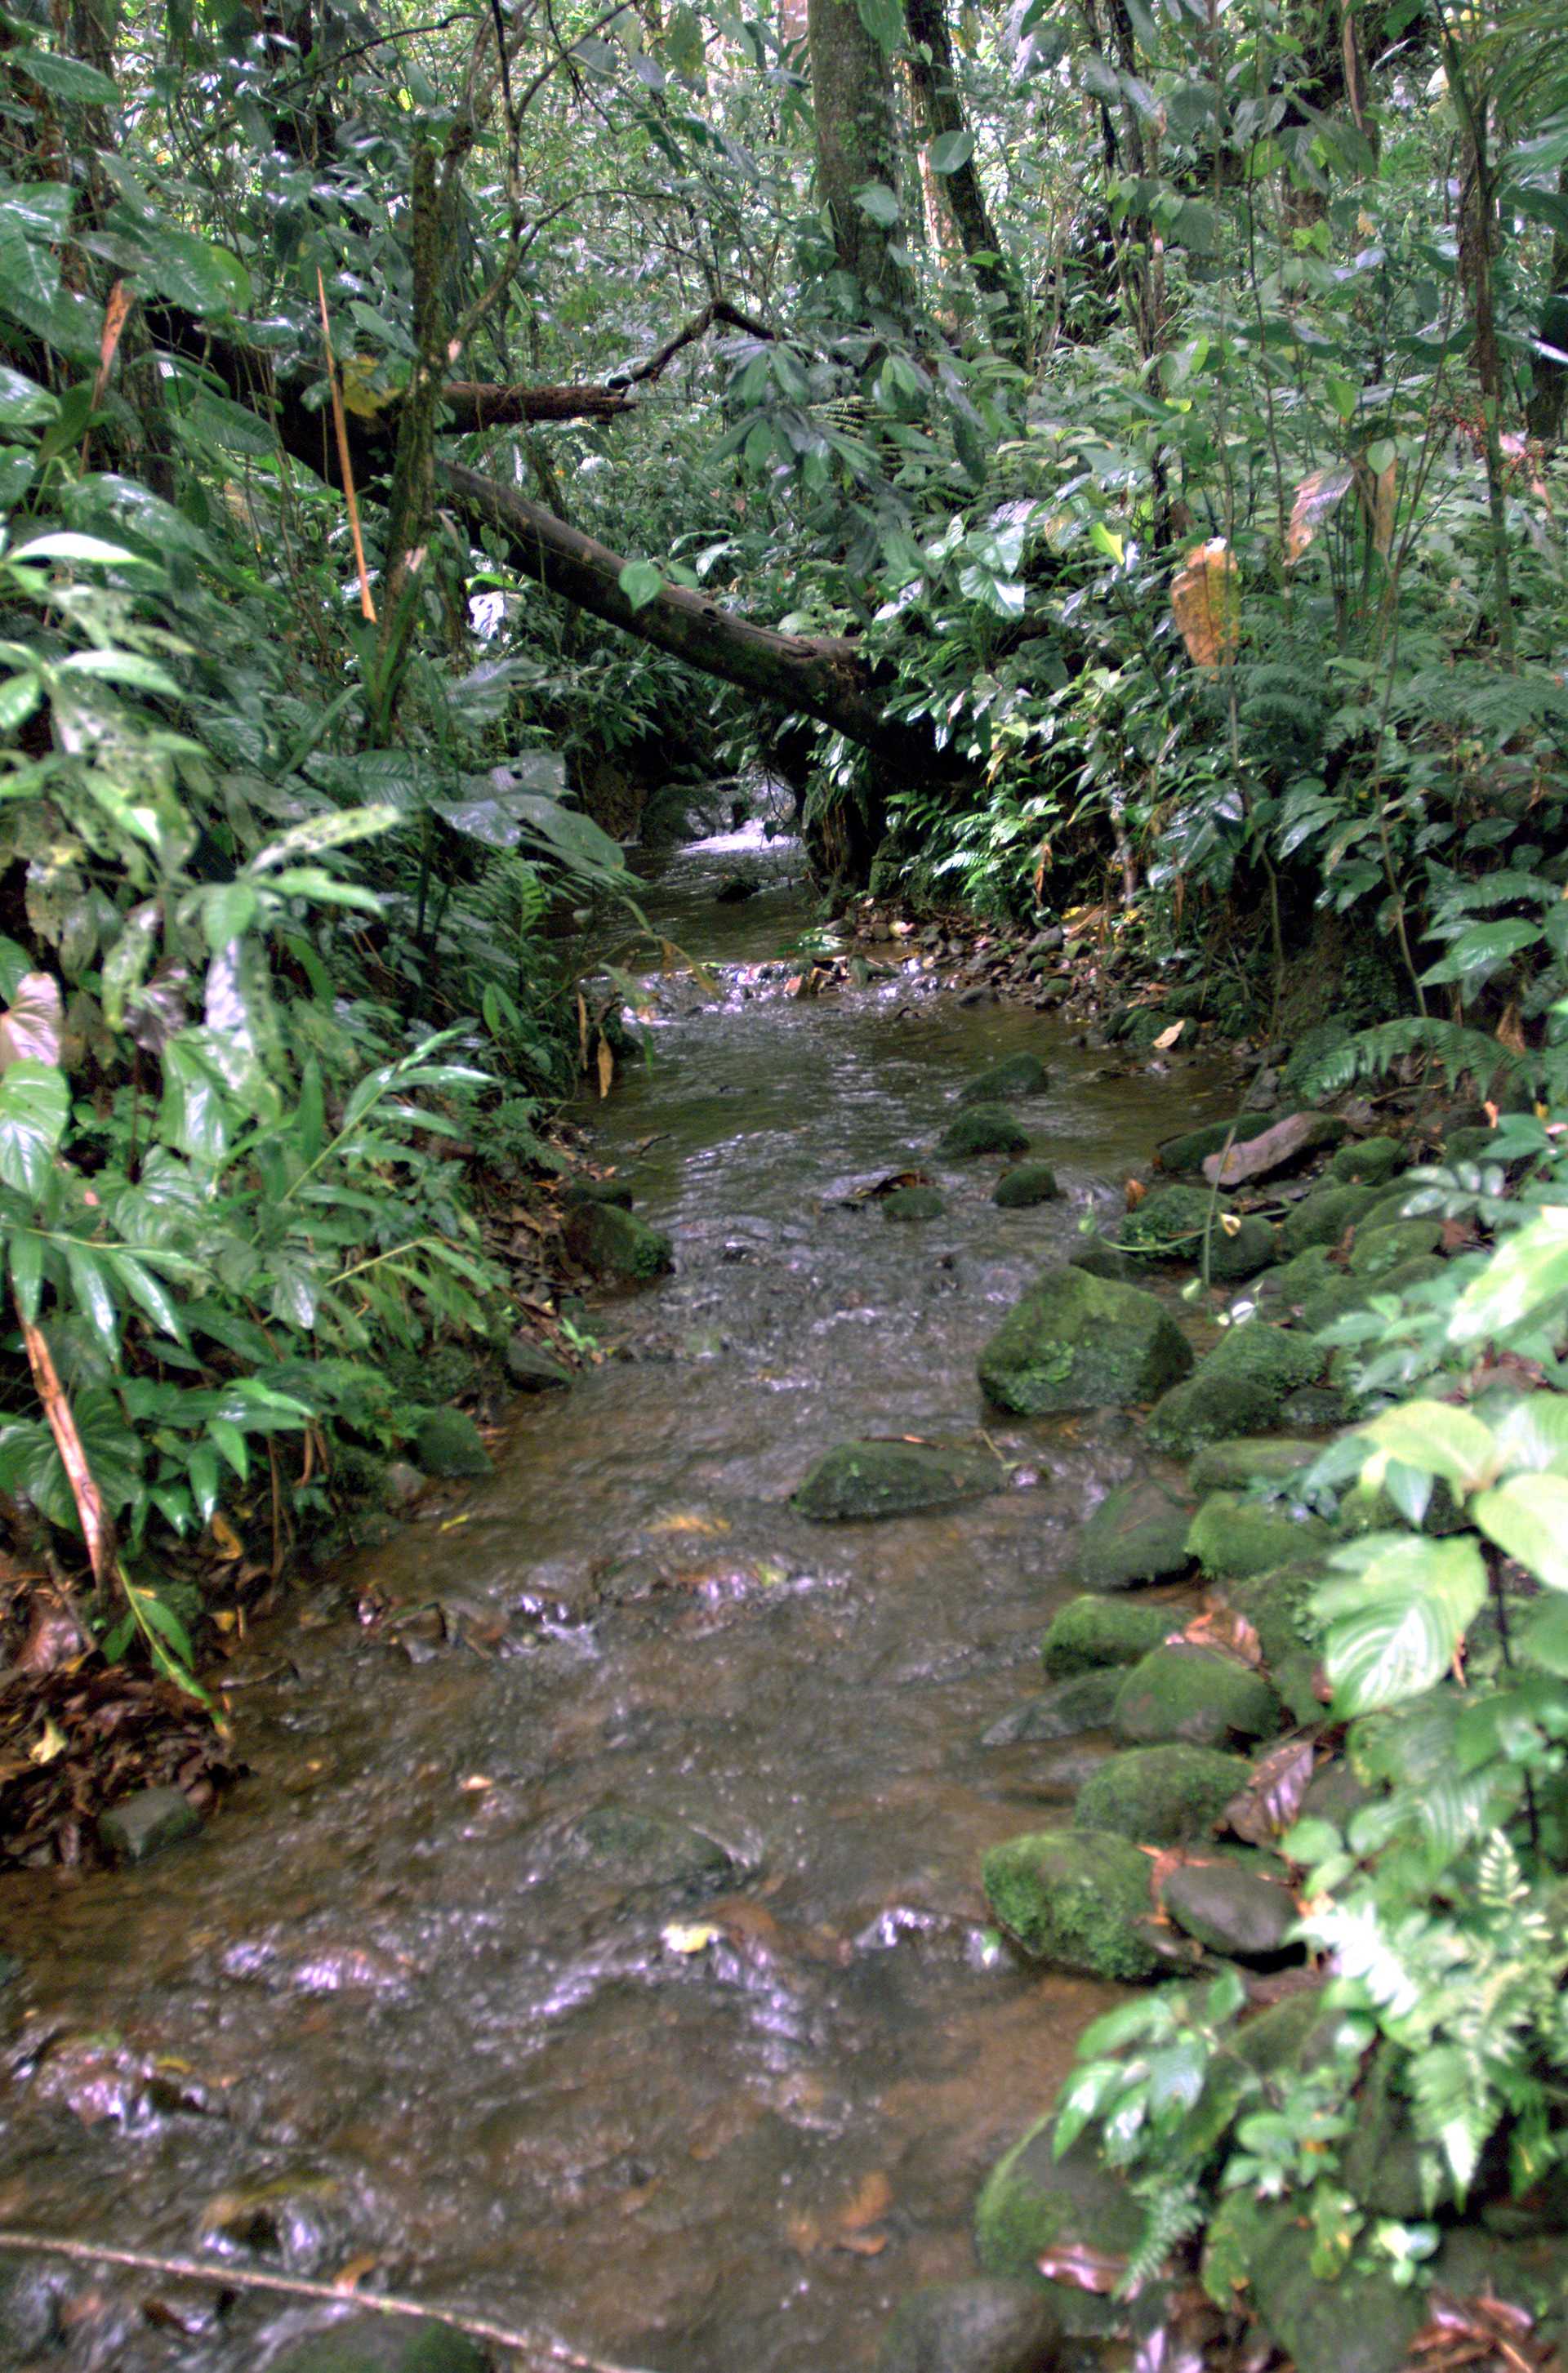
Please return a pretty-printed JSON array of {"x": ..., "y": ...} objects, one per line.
[{"x": 1449, "y": 1045}]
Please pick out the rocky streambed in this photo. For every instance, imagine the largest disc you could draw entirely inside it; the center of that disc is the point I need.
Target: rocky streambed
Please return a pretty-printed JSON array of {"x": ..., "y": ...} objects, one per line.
[{"x": 673, "y": 1875}]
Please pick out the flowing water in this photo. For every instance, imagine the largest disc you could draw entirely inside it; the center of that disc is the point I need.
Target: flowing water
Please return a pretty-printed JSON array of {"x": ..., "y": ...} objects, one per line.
[{"x": 391, "y": 2011}]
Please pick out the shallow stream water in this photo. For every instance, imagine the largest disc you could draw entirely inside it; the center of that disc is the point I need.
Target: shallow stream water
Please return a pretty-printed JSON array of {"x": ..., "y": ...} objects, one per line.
[{"x": 385, "y": 2013}]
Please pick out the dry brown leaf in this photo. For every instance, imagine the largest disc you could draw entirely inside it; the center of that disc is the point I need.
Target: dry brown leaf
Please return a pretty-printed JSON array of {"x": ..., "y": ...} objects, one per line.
[
  {"x": 1510, "y": 1030},
  {"x": 1135, "y": 1191},
  {"x": 96, "y": 1530},
  {"x": 1317, "y": 499},
  {"x": 348, "y": 2278},
  {"x": 1227, "y": 1633},
  {"x": 1083, "y": 2267},
  {"x": 1271, "y": 1798},
  {"x": 115, "y": 315},
  {"x": 1169, "y": 1037},
  {"x": 607, "y": 1064},
  {"x": 229, "y": 1544},
  {"x": 1206, "y": 604}
]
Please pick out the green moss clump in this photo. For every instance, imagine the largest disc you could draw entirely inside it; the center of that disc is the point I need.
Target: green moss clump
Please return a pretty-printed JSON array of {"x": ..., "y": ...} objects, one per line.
[
  {"x": 1137, "y": 1534},
  {"x": 1089, "y": 1633},
  {"x": 1172, "y": 1223},
  {"x": 1268, "y": 1458},
  {"x": 1077, "y": 1342},
  {"x": 1377, "y": 1250},
  {"x": 618, "y": 1244},
  {"x": 1470, "y": 1145},
  {"x": 1233, "y": 1256},
  {"x": 913, "y": 1203},
  {"x": 1368, "y": 1163},
  {"x": 1192, "y": 1151},
  {"x": 1161, "y": 1796},
  {"x": 1237, "y": 1389},
  {"x": 1015, "y": 1075},
  {"x": 1032, "y": 2200},
  {"x": 1276, "y": 1607},
  {"x": 1231, "y": 1536},
  {"x": 1021, "y": 1190},
  {"x": 1353, "y": 1292},
  {"x": 1177, "y": 1692},
  {"x": 1078, "y": 1899},
  {"x": 985, "y": 1128},
  {"x": 892, "y": 1478},
  {"x": 449, "y": 1444},
  {"x": 1389, "y": 1207},
  {"x": 1325, "y": 1215}
]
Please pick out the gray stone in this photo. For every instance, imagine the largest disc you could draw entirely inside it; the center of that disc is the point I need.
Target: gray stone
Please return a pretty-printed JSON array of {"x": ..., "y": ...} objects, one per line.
[
  {"x": 1231, "y": 1909},
  {"x": 597, "y": 1190},
  {"x": 385, "y": 2344},
  {"x": 616, "y": 1244},
  {"x": 1083, "y": 1704},
  {"x": 531, "y": 1368},
  {"x": 982, "y": 2326},
  {"x": 141, "y": 1826},
  {"x": 1356, "y": 2323}
]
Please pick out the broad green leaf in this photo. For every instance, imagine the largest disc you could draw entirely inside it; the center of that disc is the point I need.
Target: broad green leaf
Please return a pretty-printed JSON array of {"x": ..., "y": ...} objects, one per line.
[
  {"x": 1438, "y": 1439},
  {"x": 65, "y": 544},
  {"x": 884, "y": 20},
  {"x": 227, "y": 912},
  {"x": 64, "y": 78},
  {"x": 93, "y": 1294},
  {"x": 878, "y": 200},
  {"x": 1543, "y": 1637},
  {"x": 1394, "y": 1628},
  {"x": 323, "y": 832},
  {"x": 1533, "y": 1433},
  {"x": 641, "y": 582},
  {"x": 1527, "y": 1270},
  {"x": 951, "y": 150},
  {"x": 26, "y": 1250},
  {"x": 193, "y": 273},
  {"x": 33, "y": 1025},
  {"x": 1528, "y": 1517},
  {"x": 35, "y": 1104},
  {"x": 1484, "y": 949},
  {"x": 29, "y": 273},
  {"x": 37, "y": 209}
]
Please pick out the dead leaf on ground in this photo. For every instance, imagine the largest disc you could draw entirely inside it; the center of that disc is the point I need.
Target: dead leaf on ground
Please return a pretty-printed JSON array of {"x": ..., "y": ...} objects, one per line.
[
  {"x": 1482, "y": 2331},
  {"x": 1083, "y": 2267},
  {"x": 1226, "y": 1633},
  {"x": 1169, "y": 1037},
  {"x": 1135, "y": 1191},
  {"x": 1206, "y": 604},
  {"x": 1271, "y": 1798}
]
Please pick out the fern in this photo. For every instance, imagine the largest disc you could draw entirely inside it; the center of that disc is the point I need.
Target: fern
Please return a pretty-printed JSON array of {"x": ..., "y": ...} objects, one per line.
[
  {"x": 1449, "y": 1045},
  {"x": 1172, "y": 2210}
]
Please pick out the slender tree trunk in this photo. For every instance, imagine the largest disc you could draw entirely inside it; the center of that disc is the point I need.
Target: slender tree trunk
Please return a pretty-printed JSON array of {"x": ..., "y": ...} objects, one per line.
[
  {"x": 959, "y": 194},
  {"x": 856, "y": 151},
  {"x": 1550, "y": 400}
]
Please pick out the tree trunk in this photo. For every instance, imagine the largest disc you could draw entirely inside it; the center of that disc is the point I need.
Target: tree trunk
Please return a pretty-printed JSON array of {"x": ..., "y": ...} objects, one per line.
[
  {"x": 857, "y": 149},
  {"x": 936, "y": 89},
  {"x": 1548, "y": 399}
]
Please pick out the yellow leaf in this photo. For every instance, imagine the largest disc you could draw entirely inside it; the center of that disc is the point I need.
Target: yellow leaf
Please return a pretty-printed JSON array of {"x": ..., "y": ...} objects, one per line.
[
  {"x": 1169, "y": 1037},
  {"x": 356, "y": 371},
  {"x": 681, "y": 1938},
  {"x": 606, "y": 1067},
  {"x": 228, "y": 1541},
  {"x": 1231, "y": 1224},
  {"x": 686, "y": 1520},
  {"x": 1206, "y": 604},
  {"x": 51, "y": 1744}
]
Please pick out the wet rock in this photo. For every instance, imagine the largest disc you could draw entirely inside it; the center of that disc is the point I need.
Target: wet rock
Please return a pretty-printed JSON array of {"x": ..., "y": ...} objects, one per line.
[
  {"x": 892, "y": 1479},
  {"x": 1324, "y": 1216},
  {"x": 1191, "y": 1150},
  {"x": 297, "y": 2220},
  {"x": 1078, "y": 1342},
  {"x": 1078, "y": 1899},
  {"x": 1381, "y": 2159},
  {"x": 1137, "y": 1534},
  {"x": 1367, "y": 1163},
  {"x": 1061, "y": 1768},
  {"x": 1263, "y": 1458},
  {"x": 1032, "y": 2201},
  {"x": 1161, "y": 1795},
  {"x": 1015, "y": 1075},
  {"x": 32, "y": 2293},
  {"x": 1046, "y": 943},
  {"x": 1284, "y": 1145},
  {"x": 1351, "y": 1292},
  {"x": 984, "y": 1129},
  {"x": 650, "y": 1850},
  {"x": 1333, "y": 1794},
  {"x": 1021, "y": 1190},
  {"x": 1101, "y": 1259},
  {"x": 1356, "y": 2323},
  {"x": 142, "y": 1824},
  {"x": 384, "y": 2344},
  {"x": 1376, "y": 1250},
  {"x": 1171, "y": 1223},
  {"x": 1232, "y": 1908},
  {"x": 1088, "y": 1634},
  {"x": 983, "y": 2326},
  {"x": 402, "y": 1485},
  {"x": 448, "y": 1444},
  {"x": 1238, "y": 1387},
  {"x": 616, "y": 1244},
  {"x": 1083, "y": 1704},
  {"x": 1179, "y": 1692},
  {"x": 580, "y": 1192},
  {"x": 1263, "y": 1091},
  {"x": 912, "y": 1203},
  {"x": 736, "y": 890},
  {"x": 1231, "y": 1536},
  {"x": 531, "y": 1369}
]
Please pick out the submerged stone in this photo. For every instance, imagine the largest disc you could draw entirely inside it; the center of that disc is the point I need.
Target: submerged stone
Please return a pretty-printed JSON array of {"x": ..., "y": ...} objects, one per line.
[
  {"x": 1021, "y": 1190},
  {"x": 1236, "y": 1388},
  {"x": 449, "y": 1444},
  {"x": 531, "y": 1369},
  {"x": 1161, "y": 1795},
  {"x": 892, "y": 1479},
  {"x": 1078, "y": 1342},
  {"x": 1137, "y": 1534},
  {"x": 1089, "y": 1633},
  {"x": 1014, "y": 1075},
  {"x": 1181, "y": 1692},
  {"x": 385, "y": 2344},
  {"x": 650, "y": 1850},
  {"x": 912, "y": 1203},
  {"x": 984, "y": 1129},
  {"x": 142, "y": 1824},
  {"x": 1078, "y": 1899},
  {"x": 985, "y": 2325},
  {"x": 1031, "y": 2202},
  {"x": 1082, "y": 1703},
  {"x": 618, "y": 1244}
]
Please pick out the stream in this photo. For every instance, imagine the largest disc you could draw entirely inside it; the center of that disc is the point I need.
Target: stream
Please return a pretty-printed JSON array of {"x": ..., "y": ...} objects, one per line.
[{"x": 413, "y": 2005}]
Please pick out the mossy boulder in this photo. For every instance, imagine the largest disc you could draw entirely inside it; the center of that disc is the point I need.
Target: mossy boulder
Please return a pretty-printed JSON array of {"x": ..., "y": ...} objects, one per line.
[
  {"x": 1231, "y": 1536},
  {"x": 984, "y": 1129},
  {"x": 1276, "y": 1605},
  {"x": 1280, "y": 1290},
  {"x": 448, "y": 1443},
  {"x": 1191, "y": 1150},
  {"x": 1236, "y": 1388},
  {"x": 648, "y": 1848},
  {"x": 913, "y": 1203},
  {"x": 1137, "y": 1534},
  {"x": 1242, "y": 1252},
  {"x": 1470, "y": 1145},
  {"x": 1265, "y": 1458},
  {"x": 618, "y": 1244},
  {"x": 1353, "y": 1292},
  {"x": 1021, "y": 1190},
  {"x": 384, "y": 2344},
  {"x": 1369, "y": 1161},
  {"x": 1078, "y": 1899},
  {"x": 1323, "y": 1217},
  {"x": 1171, "y": 1223},
  {"x": 1241, "y": 1909},
  {"x": 1078, "y": 1342},
  {"x": 1014, "y": 1075},
  {"x": 1101, "y": 1259},
  {"x": 1354, "y": 2324},
  {"x": 1161, "y": 1796},
  {"x": 861, "y": 1479},
  {"x": 1377, "y": 1249},
  {"x": 1032, "y": 2200},
  {"x": 985, "y": 2325},
  {"x": 1088, "y": 1634},
  {"x": 1181, "y": 1692},
  {"x": 1065, "y": 1710},
  {"x": 1389, "y": 1207}
]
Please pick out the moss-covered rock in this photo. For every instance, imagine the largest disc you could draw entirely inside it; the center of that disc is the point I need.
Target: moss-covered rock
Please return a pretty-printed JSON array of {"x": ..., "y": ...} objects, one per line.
[
  {"x": 646, "y": 1849},
  {"x": 1180, "y": 1693},
  {"x": 1101, "y": 1259},
  {"x": 616, "y": 1244},
  {"x": 1032, "y": 2200},
  {"x": 1231, "y": 1536},
  {"x": 1278, "y": 1292},
  {"x": 1353, "y": 1292},
  {"x": 1469, "y": 1145},
  {"x": 1377, "y": 1249},
  {"x": 1014, "y": 1075},
  {"x": 1021, "y": 1190},
  {"x": 1324, "y": 1216},
  {"x": 579, "y": 1191},
  {"x": 1137, "y": 1534},
  {"x": 1192, "y": 1151},
  {"x": 1276, "y": 1605},
  {"x": 384, "y": 2344},
  {"x": 983, "y": 1128},
  {"x": 1242, "y": 1909},
  {"x": 1236, "y": 1388},
  {"x": 913, "y": 1203},
  {"x": 1242, "y": 1252},
  {"x": 531, "y": 1369},
  {"x": 892, "y": 1479},
  {"x": 1065, "y": 1710},
  {"x": 1161, "y": 1796},
  {"x": 1263, "y": 1458},
  {"x": 1078, "y": 1899},
  {"x": 1078, "y": 1342},
  {"x": 1356, "y": 2323},
  {"x": 1389, "y": 1207},
  {"x": 1367, "y": 1161},
  {"x": 1088, "y": 1634},
  {"x": 1171, "y": 1223},
  {"x": 448, "y": 1444},
  {"x": 982, "y": 2326}
]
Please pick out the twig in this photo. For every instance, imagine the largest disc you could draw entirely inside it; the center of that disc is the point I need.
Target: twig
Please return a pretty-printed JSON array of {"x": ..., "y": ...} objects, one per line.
[
  {"x": 544, "y": 2347},
  {"x": 98, "y": 1528},
  {"x": 367, "y": 607}
]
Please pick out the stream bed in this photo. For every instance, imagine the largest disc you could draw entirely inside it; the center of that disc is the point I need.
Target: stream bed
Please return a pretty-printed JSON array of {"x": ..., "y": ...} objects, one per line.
[{"x": 596, "y": 1941}]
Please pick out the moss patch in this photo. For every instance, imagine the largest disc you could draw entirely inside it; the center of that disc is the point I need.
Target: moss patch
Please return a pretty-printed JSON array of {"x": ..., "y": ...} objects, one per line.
[
  {"x": 1323, "y": 1218},
  {"x": 1076, "y": 1342},
  {"x": 1192, "y": 1151},
  {"x": 913, "y": 1203},
  {"x": 1089, "y": 1633},
  {"x": 1237, "y": 1389},
  {"x": 1231, "y": 1465},
  {"x": 1032, "y": 2201},
  {"x": 1368, "y": 1164},
  {"x": 618, "y": 1244},
  {"x": 1021, "y": 1190},
  {"x": 1137, "y": 1534},
  {"x": 985, "y": 1128},
  {"x": 1014, "y": 1075},
  {"x": 1231, "y": 1536},
  {"x": 1161, "y": 1796},
  {"x": 1078, "y": 1899},
  {"x": 1377, "y": 1250},
  {"x": 448, "y": 1443},
  {"x": 892, "y": 1478},
  {"x": 1177, "y": 1692}
]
